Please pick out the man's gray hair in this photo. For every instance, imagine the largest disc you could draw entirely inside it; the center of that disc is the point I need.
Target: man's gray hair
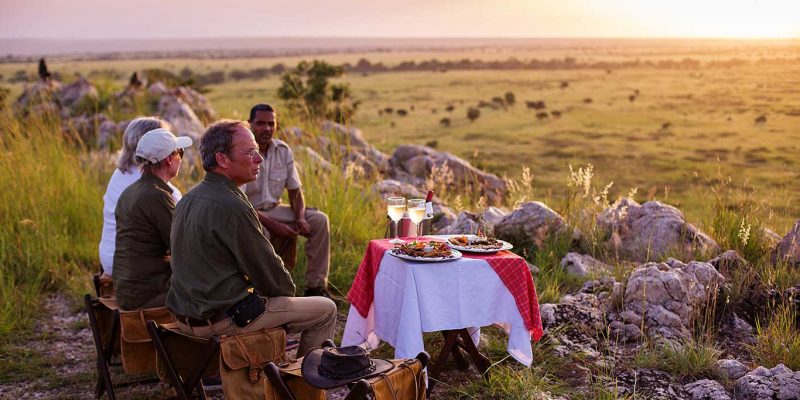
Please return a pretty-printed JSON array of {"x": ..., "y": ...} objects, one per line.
[
  {"x": 218, "y": 138},
  {"x": 135, "y": 130}
]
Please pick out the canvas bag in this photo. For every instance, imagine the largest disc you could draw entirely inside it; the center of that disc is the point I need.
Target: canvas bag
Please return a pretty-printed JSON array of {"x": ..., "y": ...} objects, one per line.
[
  {"x": 242, "y": 358},
  {"x": 138, "y": 352},
  {"x": 406, "y": 381},
  {"x": 293, "y": 376}
]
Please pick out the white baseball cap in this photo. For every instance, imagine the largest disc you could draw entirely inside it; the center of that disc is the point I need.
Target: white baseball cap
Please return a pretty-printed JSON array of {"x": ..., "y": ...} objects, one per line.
[{"x": 158, "y": 144}]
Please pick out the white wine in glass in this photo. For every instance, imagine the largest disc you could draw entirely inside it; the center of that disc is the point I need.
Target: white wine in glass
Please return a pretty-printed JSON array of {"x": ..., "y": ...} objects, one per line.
[
  {"x": 396, "y": 207},
  {"x": 416, "y": 211}
]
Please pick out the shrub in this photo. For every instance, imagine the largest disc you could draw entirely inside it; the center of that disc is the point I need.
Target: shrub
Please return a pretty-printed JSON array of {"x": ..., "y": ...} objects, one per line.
[
  {"x": 510, "y": 98},
  {"x": 692, "y": 360},
  {"x": 473, "y": 114}
]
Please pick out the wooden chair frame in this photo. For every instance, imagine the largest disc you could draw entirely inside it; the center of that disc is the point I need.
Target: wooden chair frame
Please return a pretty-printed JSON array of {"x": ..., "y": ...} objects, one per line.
[
  {"x": 106, "y": 349},
  {"x": 185, "y": 387}
]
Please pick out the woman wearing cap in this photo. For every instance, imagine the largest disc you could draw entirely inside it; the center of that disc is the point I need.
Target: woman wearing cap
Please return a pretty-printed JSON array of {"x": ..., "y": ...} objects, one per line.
[
  {"x": 144, "y": 216},
  {"x": 125, "y": 174}
]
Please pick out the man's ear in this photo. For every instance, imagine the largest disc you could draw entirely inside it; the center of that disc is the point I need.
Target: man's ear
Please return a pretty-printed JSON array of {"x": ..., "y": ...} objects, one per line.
[{"x": 222, "y": 160}]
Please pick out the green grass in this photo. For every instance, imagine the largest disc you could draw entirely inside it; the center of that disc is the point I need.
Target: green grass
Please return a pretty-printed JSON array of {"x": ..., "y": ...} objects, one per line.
[
  {"x": 51, "y": 211},
  {"x": 692, "y": 360},
  {"x": 778, "y": 341}
]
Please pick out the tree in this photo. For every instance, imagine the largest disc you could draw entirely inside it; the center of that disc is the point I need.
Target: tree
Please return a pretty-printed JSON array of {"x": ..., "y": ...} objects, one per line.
[{"x": 306, "y": 89}]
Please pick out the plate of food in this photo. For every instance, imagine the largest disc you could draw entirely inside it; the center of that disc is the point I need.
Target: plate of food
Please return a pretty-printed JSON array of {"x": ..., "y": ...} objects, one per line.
[
  {"x": 425, "y": 251},
  {"x": 478, "y": 244}
]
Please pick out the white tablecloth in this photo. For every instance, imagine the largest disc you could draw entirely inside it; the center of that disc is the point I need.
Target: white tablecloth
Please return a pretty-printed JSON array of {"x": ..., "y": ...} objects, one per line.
[{"x": 412, "y": 298}]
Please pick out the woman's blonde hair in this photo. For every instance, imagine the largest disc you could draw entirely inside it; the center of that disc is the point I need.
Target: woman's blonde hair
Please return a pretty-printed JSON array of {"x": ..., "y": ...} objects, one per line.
[{"x": 135, "y": 130}]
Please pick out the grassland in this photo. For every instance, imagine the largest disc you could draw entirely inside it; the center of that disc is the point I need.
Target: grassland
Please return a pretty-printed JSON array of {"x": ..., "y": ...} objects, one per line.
[
  {"x": 713, "y": 161},
  {"x": 711, "y": 136}
]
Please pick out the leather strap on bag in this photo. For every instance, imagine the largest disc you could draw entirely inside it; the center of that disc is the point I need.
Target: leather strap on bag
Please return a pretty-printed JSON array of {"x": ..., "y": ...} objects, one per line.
[{"x": 254, "y": 368}]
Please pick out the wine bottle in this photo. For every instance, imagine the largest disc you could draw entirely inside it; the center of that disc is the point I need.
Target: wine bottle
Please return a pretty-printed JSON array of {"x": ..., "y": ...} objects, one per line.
[{"x": 429, "y": 205}]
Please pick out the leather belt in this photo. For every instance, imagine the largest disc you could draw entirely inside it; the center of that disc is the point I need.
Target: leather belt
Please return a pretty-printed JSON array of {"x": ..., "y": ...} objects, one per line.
[{"x": 193, "y": 322}]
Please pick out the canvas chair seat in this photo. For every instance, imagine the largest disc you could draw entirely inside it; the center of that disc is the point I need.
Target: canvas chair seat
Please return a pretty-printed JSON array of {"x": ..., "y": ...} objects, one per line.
[
  {"x": 138, "y": 352},
  {"x": 104, "y": 322}
]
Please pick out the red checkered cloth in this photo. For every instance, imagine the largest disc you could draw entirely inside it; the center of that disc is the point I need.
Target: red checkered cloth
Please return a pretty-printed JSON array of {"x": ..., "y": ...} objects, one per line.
[{"x": 511, "y": 268}]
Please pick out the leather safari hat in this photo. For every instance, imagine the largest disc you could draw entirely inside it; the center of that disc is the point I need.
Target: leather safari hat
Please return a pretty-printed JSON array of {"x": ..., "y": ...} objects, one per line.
[{"x": 331, "y": 367}]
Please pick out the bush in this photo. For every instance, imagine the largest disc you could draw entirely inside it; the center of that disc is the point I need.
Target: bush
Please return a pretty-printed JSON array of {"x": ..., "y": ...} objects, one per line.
[
  {"x": 778, "y": 341},
  {"x": 473, "y": 114}
]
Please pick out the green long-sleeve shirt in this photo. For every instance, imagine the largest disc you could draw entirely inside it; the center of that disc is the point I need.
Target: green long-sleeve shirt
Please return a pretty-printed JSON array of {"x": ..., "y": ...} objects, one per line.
[
  {"x": 218, "y": 250},
  {"x": 141, "y": 259}
]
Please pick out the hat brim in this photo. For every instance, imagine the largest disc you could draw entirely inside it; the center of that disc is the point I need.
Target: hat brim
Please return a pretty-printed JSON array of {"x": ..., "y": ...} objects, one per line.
[
  {"x": 182, "y": 142},
  {"x": 311, "y": 375}
]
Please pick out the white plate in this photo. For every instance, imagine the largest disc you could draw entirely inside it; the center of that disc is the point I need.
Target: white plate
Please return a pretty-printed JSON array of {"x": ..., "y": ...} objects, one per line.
[
  {"x": 505, "y": 246},
  {"x": 456, "y": 255}
]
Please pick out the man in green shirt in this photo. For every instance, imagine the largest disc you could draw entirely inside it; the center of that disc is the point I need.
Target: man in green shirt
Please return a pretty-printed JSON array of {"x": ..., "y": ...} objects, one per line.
[{"x": 219, "y": 251}]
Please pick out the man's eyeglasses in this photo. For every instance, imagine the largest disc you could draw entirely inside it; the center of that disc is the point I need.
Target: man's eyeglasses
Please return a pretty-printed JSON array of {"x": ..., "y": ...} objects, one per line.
[
  {"x": 179, "y": 152},
  {"x": 253, "y": 154}
]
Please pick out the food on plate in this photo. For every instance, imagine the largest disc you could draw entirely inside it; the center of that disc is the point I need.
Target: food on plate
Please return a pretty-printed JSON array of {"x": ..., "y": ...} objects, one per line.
[
  {"x": 424, "y": 249},
  {"x": 477, "y": 242}
]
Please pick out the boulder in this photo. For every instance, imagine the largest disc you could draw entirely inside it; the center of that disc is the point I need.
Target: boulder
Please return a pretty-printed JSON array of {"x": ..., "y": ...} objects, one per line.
[
  {"x": 731, "y": 369},
  {"x": 157, "y": 89},
  {"x": 582, "y": 265},
  {"x": 574, "y": 325},
  {"x": 390, "y": 187},
  {"x": 669, "y": 296},
  {"x": 530, "y": 224},
  {"x": 706, "y": 389},
  {"x": 788, "y": 249},
  {"x": 651, "y": 231},
  {"x": 197, "y": 102},
  {"x": 40, "y": 93},
  {"x": 471, "y": 223},
  {"x": 728, "y": 262},
  {"x": 761, "y": 383},
  {"x": 354, "y": 147},
  {"x": 315, "y": 161},
  {"x": 607, "y": 290},
  {"x": 183, "y": 119},
  {"x": 79, "y": 97},
  {"x": 414, "y": 164}
]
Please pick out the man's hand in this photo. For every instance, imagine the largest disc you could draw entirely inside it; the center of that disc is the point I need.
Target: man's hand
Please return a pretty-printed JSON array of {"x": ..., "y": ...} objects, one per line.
[
  {"x": 282, "y": 229},
  {"x": 303, "y": 227}
]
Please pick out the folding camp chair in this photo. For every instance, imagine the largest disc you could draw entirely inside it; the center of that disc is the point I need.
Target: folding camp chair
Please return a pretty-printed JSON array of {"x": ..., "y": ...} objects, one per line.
[
  {"x": 104, "y": 320},
  {"x": 360, "y": 390},
  {"x": 184, "y": 359}
]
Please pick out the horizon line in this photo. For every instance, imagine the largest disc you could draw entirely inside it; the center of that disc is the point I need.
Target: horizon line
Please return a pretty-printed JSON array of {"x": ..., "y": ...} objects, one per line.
[{"x": 106, "y": 39}]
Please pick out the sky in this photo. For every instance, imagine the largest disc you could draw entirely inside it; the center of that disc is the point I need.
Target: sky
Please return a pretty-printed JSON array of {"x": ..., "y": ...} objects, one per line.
[{"x": 116, "y": 19}]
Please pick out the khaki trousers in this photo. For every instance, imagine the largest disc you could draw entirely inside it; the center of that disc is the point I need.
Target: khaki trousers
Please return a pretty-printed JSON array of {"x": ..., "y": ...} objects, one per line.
[
  {"x": 313, "y": 317},
  {"x": 318, "y": 245}
]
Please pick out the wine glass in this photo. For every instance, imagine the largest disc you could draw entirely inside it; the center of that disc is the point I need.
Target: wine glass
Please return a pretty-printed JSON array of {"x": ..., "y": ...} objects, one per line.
[
  {"x": 416, "y": 211},
  {"x": 396, "y": 207}
]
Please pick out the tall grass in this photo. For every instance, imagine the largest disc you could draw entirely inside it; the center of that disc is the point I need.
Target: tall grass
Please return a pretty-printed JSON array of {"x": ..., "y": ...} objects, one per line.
[
  {"x": 50, "y": 214},
  {"x": 778, "y": 341}
]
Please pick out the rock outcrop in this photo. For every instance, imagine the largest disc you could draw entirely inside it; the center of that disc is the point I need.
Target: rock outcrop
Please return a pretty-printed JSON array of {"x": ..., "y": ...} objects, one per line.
[
  {"x": 762, "y": 383},
  {"x": 530, "y": 225},
  {"x": 731, "y": 369},
  {"x": 471, "y": 223},
  {"x": 788, "y": 249},
  {"x": 706, "y": 389},
  {"x": 668, "y": 296},
  {"x": 79, "y": 96},
  {"x": 583, "y": 265},
  {"x": 414, "y": 164},
  {"x": 651, "y": 231}
]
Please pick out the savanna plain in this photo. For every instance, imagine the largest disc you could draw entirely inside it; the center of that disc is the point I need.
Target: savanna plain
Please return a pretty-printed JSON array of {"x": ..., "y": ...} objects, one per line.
[{"x": 712, "y": 129}]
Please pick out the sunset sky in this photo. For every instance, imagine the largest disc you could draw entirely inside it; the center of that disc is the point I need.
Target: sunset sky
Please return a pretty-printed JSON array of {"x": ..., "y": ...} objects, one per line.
[{"x": 111, "y": 19}]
